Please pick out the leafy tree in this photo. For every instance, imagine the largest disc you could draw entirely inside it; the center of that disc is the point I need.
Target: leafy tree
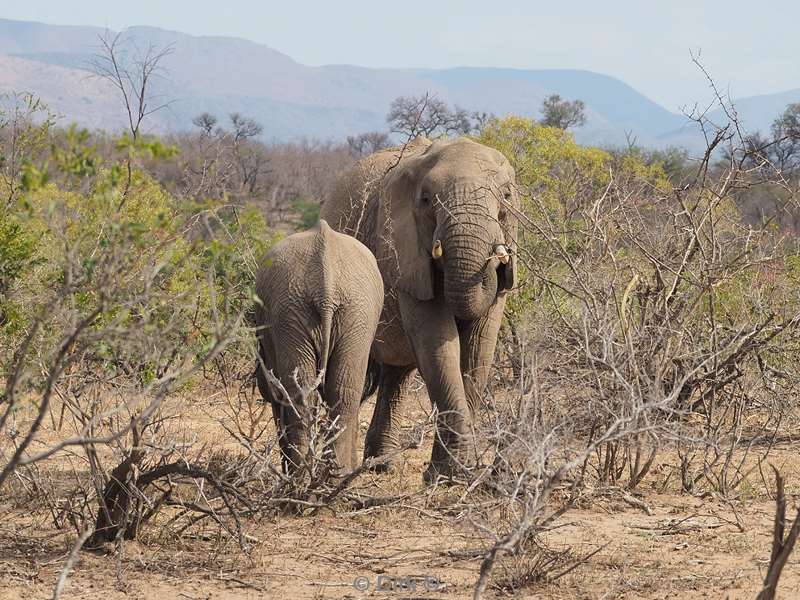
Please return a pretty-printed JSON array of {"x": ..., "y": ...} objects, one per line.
[
  {"x": 789, "y": 122},
  {"x": 540, "y": 155},
  {"x": 786, "y": 134},
  {"x": 26, "y": 128},
  {"x": 17, "y": 251},
  {"x": 71, "y": 199},
  {"x": 552, "y": 173},
  {"x": 308, "y": 212},
  {"x": 562, "y": 114},
  {"x": 779, "y": 150},
  {"x": 673, "y": 160}
]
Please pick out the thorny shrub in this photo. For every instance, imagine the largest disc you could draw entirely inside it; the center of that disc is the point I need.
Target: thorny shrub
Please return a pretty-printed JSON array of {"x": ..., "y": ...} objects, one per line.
[{"x": 653, "y": 318}]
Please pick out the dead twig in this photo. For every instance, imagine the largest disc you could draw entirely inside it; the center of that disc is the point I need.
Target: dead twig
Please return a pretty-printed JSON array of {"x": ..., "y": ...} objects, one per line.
[{"x": 781, "y": 546}]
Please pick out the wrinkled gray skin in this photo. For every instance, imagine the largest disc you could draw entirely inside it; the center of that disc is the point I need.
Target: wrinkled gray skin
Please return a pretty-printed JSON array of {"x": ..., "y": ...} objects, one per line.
[
  {"x": 321, "y": 297},
  {"x": 442, "y": 312}
]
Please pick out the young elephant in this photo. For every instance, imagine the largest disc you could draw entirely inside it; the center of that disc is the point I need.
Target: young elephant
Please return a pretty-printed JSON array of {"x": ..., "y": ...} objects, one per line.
[{"x": 321, "y": 296}]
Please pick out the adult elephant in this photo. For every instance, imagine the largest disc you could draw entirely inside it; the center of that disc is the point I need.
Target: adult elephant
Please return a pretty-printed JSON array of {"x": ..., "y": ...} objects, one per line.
[{"x": 439, "y": 218}]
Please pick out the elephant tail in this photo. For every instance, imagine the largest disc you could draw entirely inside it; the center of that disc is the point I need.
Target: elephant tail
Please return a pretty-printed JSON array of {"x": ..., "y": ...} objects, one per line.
[
  {"x": 373, "y": 378},
  {"x": 326, "y": 323},
  {"x": 260, "y": 375}
]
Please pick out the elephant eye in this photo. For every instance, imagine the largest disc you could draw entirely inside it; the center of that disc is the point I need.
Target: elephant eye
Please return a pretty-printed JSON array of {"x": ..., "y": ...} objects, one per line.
[
  {"x": 507, "y": 196},
  {"x": 425, "y": 199}
]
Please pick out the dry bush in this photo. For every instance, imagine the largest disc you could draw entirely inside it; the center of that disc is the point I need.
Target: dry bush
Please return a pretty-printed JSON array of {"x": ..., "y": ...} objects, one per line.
[
  {"x": 654, "y": 319},
  {"x": 287, "y": 182}
]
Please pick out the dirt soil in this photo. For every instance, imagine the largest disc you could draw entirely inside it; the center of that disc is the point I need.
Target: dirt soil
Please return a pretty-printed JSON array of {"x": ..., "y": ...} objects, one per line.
[{"x": 687, "y": 547}]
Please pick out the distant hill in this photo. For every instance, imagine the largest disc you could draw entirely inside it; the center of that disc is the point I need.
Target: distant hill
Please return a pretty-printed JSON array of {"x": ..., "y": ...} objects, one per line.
[
  {"x": 223, "y": 75},
  {"x": 756, "y": 113}
]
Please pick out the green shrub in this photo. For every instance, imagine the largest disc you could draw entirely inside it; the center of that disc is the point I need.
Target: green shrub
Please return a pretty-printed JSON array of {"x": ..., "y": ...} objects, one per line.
[
  {"x": 553, "y": 173},
  {"x": 87, "y": 240},
  {"x": 17, "y": 256},
  {"x": 308, "y": 212}
]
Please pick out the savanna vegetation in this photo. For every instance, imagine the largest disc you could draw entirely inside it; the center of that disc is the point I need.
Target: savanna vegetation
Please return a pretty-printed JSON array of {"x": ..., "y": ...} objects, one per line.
[{"x": 650, "y": 348}]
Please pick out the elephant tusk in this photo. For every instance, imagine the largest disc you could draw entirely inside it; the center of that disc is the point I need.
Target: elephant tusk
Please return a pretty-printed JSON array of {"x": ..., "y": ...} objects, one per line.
[
  {"x": 502, "y": 254},
  {"x": 437, "y": 249}
]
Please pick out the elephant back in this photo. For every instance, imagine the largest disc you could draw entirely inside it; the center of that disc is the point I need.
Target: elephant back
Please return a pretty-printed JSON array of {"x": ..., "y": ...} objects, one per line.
[
  {"x": 311, "y": 279},
  {"x": 319, "y": 268},
  {"x": 351, "y": 206}
]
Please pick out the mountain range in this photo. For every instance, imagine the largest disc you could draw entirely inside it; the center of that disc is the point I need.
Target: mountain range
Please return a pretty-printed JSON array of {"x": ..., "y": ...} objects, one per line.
[{"x": 223, "y": 75}]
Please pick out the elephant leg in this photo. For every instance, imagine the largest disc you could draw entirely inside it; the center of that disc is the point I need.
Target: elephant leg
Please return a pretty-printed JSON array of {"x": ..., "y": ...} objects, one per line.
[
  {"x": 292, "y": 414},
  {"x": 269, "y": 395},
  {"x": 344, "y": 383},
  {"x": 478, "y": 342},
  {"x": 262, "y": 366},
  {"x": 383, "y": 436},
  {"x": 434, "y": 337}
]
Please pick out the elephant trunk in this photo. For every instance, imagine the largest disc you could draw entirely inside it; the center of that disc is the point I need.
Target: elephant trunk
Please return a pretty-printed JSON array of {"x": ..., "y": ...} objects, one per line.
[{"x": 470, "y": 269}]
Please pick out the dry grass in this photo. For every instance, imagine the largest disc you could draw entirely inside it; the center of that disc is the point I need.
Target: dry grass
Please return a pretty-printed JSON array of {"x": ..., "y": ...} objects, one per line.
[{"x": 695, "y": 547}]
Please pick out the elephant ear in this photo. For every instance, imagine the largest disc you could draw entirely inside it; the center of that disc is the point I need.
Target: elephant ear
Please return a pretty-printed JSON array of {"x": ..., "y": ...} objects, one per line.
[{"x": 405, "y": 263}]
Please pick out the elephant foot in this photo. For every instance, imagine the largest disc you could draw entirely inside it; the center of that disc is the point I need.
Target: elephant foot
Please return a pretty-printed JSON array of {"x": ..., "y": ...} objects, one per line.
[
  {"x": 382, "y": 459},
  {"x": 446, "y": 472},
  {"x": 453, "y": 456},
  {"x": 380, "y": 464}
]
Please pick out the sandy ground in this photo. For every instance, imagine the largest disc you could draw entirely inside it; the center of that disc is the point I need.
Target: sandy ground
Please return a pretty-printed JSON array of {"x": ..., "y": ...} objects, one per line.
[{"x": 688, "y": 547}]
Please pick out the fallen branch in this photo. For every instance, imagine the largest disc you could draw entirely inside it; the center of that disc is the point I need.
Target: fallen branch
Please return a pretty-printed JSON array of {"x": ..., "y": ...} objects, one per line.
[{"x": 781, "y": 547}]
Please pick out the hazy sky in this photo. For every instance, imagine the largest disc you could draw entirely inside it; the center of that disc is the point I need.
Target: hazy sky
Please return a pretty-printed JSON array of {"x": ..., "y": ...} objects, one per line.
[{"x": 749, "y": 47}]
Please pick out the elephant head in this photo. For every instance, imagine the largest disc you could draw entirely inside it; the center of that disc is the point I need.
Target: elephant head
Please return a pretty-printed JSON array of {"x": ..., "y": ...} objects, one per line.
[{"x": 446, "y": 220}]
